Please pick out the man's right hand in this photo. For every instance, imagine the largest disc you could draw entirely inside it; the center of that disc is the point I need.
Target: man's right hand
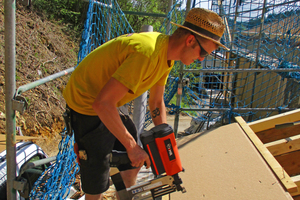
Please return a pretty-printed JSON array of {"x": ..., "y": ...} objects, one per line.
[{"x": 138, "y": 157}]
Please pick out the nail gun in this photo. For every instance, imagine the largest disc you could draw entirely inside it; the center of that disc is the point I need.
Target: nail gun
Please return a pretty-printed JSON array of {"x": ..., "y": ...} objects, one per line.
[{"x": 160, "y": 144}]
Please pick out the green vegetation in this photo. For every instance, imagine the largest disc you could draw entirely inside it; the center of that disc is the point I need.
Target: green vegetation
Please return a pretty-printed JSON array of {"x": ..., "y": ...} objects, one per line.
[
  {"x": 69, "y": 12},
  {"x": 45, "y": 70},
  {"x": 18, "y": 77},
  {"x": 72, "y": 13},
  {"x": 144, "y": 6},
  {"x": 28, "y": 100}
]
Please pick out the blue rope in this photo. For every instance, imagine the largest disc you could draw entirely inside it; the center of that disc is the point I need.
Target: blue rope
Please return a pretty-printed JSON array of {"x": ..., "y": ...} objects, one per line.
[
  {"x": 294, "y": 74},
  {"x": 56, "y": 181}
]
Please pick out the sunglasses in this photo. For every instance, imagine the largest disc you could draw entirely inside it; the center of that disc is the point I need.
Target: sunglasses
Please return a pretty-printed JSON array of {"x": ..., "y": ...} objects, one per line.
[{"x": 203, "y": 53}]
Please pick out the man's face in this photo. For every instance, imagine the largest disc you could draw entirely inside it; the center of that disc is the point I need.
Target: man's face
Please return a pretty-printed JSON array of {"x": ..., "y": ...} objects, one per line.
[{"x": 196, "y": 50}]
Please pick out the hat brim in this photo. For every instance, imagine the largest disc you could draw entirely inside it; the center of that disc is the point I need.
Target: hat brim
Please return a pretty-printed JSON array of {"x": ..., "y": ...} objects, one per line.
[{"x": 204, "y": 36}]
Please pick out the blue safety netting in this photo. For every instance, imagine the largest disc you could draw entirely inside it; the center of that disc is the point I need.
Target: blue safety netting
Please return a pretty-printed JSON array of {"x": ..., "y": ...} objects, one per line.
[{"x": 56, "y": 181}]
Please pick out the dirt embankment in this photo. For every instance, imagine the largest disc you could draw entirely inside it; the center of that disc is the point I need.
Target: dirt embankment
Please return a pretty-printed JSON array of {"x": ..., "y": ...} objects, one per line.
[{"x": 43, "y": 48}]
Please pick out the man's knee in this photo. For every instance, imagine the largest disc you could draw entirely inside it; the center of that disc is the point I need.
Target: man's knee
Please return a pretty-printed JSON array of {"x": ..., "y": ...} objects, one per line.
[
  {"x": 129, "y": 176},
  {"x": 93, "y": 196}
]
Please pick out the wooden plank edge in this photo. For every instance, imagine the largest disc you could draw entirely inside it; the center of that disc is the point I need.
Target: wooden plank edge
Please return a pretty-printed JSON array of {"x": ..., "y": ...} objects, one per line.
[
  {"x": 270, "y": 122},
  {"x": 21, "y": 138},
  {"x": 268, "y": 157},
  {"x": 296, "y": 180},
  {"x": 283, "y": 146}
]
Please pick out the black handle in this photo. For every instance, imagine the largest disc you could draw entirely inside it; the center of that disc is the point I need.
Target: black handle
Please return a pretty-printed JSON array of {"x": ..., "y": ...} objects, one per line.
[{"x": 119, "y": 158}]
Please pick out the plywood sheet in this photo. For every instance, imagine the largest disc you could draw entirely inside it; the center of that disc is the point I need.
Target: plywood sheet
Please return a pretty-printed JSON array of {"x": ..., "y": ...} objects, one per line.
[{"x": 223, "y": 164}]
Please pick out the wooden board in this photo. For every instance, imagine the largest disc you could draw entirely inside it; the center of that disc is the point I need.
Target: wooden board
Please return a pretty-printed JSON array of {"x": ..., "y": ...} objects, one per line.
[
  {"x": 223, "y": 164},
  {"x": 283, "y": 146},
  {"x": 270, "y": 122},
  {"x": 18, "y": 139},
  {"x": 296, "y": 180},
  {"x": 290, "y": 162},
  {"x": 276, "y": 134}
]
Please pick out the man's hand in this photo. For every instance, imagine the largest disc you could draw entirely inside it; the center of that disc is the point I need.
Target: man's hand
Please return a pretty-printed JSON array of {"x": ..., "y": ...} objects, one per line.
[
  {"x": 105, "y": 107},
  {"x": 138, "y": 157}
]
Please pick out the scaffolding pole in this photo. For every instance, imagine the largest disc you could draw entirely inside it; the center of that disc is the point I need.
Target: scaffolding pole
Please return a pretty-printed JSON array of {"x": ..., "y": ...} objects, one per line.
[
  {"x": 10, "y": 86},
  {"x": 243, "y": 70},
  {"x": 236, "y": 109},
  {"x": 170, "y": 5},
  {"x": 36, "y": 83},
  {"x": 180, "y": 85},
  {"x": 140, "y": 103},
  {"x": 258, "y": 53}
]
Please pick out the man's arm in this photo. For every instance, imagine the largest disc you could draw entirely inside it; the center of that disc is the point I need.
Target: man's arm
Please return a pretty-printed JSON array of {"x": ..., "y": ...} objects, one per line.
[
  {"x": 105, "y": 107},
  {"x": 157, "y": 105}
]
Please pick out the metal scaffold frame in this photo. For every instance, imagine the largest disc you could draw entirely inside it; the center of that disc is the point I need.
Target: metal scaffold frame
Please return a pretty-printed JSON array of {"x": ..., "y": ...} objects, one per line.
[{"x": 10, "y": 86}]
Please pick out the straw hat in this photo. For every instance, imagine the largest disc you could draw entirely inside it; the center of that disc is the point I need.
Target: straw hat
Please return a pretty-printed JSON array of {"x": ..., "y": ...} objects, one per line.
[{"x": 205, "y": 23}]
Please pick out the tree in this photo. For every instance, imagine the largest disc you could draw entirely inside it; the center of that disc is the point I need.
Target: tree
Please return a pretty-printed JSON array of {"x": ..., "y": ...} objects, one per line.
[
  {"x": 144, "y": 6},
  {"x": 69, "y": 12}
]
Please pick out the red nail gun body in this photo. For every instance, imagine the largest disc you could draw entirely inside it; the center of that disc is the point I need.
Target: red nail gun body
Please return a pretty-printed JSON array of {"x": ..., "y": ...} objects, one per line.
[{"x": 159, "y": 142}]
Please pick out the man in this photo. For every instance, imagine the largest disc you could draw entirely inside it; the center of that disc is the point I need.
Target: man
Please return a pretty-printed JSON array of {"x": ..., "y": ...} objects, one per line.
[{"x": 116, "y": 73}]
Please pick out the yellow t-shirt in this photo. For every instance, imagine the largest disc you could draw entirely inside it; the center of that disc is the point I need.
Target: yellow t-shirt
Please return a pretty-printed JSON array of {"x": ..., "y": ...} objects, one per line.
[{"x": 137, "y": 60}]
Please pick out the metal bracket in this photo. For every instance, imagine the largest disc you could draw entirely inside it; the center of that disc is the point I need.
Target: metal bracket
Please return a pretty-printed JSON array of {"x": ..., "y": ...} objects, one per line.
[
  {"x": 20, "y": 104},
  {"x": 19, "y": 184},
  {"x": 22, "y": 186}
]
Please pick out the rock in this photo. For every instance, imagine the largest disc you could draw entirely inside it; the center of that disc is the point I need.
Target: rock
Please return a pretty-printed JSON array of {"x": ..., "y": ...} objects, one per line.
[{"x": 2, "y": 115}]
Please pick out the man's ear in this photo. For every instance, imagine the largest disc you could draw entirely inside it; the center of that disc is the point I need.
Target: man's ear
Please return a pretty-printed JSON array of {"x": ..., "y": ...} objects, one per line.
[{"x": 190, "y": 40}]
